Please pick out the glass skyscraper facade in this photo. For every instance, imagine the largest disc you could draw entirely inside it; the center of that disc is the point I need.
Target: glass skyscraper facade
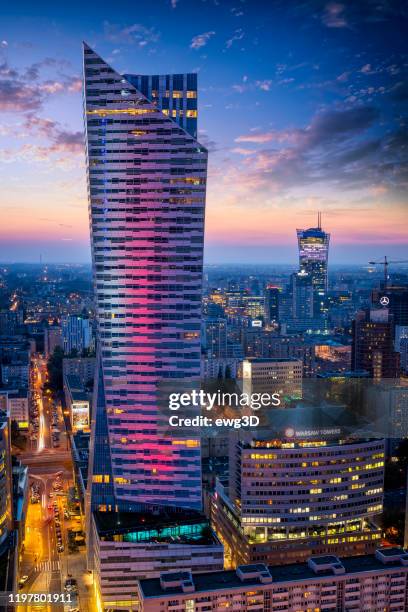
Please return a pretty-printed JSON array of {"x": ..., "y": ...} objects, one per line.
[
  {"x": 313, "y": 246},
  {"x": 146, "y": 189}
]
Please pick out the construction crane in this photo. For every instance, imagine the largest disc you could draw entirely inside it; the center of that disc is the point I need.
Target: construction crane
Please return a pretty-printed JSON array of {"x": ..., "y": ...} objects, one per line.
[{"x": 386, "y": 262}]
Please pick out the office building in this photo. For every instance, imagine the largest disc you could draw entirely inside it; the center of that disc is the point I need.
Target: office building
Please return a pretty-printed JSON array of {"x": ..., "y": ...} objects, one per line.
[
  {"x": 283, "y": 376},
  {"x": 215, "y": 337},
  {"x": 18, "y": 405},
  {"x": 132, "y": 546},
  {"x": 83, "y": 367},
  {"x": 77, "y": 402},
  {"x": 76, "y": 333},
  {"x": 403, "y": 350},
  {"x": 272, "y": 298},
  {"x": 287, "y": 500},
  {"x": 52, "y": 339},
  {"x": 146, "y": 184},
  {"x": 150, "y": 330},
  {"x": 313, "y": 244},
  {"x": 254, "y": 306},
  {"x": 6, "y": 504},
  {"x": 387, "y": 407},
  {"x": 302, "y": 290},
  {"x": 373, "y": 344},
  {"x": 397, "y": 302},
  {"x": 374, "y": 582}
]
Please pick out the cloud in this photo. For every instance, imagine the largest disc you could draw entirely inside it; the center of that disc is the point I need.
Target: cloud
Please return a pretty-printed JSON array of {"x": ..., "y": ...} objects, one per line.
[
  {"x": 201, "y": 40},
  {"x": 21, "y": 91},
  {"x": 399, "y": 92},
  {"x": 60, "y": 139},
  {"x": 265, "y": 85},
  {"x": 238, "y": 35},
  {"x": 136, "y": 33},
  {"x": 17, "y": 96},
  {"x": 243, "y": 151},
  {"x": 333, "y": 15},
  {"x": 268, "y": 136},
  {"x": 337, "y": 149}
]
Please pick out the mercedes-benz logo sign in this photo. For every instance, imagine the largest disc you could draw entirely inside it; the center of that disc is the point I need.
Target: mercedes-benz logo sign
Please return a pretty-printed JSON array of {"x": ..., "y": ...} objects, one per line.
[{"x": 384, "y": 300}]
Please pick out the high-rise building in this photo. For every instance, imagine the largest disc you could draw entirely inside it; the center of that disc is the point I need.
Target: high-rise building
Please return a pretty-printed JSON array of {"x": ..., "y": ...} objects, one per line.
[
  {"x": 273, "y": 375},
  {"x": 397, "y": 302},
  {"x": 6, "y": 516},
  {"x": 146, "y": 187},
  {"x": 52, "y": 339},
  {"x": 147, "y": 178},
  {"x": 313, "y": 246},
  {"x": 303, "y": 291},
  {"x": 76, "y": 333},
  {"x": 254, "y": 306},
  {"x": 215, "y": 337},
  {"x": 272, "y": 304},
  {"x": 289, "y": 499},
  {"x": 83, "y": 367},
  {"x": 373, "y": 344}
]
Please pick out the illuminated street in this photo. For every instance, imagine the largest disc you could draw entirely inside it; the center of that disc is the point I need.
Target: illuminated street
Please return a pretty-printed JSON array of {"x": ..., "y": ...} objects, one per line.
[{"x": 51, "y": 470}]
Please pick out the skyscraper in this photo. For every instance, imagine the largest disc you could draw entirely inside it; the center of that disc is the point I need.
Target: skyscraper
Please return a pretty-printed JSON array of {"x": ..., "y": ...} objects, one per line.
[
  {"x": 313, "y": 258},
  {"x": 303, "y": 293},
  {"x": 146, "y": 191},
  {"x": 373, "y": 344},
  {"x": 272, "y": 299},
  {"x": 76, "y": 333},
  {"x": 146, "y": 183}
]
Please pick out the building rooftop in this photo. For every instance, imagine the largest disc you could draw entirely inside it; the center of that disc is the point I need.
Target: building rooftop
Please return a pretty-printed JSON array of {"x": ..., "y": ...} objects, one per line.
[
  {"x": 176, "y": 526},
  {"x": 271, "y": 359},
  {"x": 151, "y": 587}
]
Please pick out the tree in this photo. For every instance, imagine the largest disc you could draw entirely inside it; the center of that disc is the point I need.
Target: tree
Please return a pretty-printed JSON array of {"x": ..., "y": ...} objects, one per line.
[
  {"x": 54, "y": 365},
  {"x": 14, "y": 430}
]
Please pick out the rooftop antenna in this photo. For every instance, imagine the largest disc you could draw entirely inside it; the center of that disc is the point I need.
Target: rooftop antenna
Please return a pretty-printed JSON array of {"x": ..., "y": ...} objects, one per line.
[{"x": 319, "y": 220}]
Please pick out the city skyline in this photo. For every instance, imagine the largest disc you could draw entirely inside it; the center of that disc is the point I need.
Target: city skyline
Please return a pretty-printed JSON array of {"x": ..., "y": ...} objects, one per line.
[{"x": 301, "y": 111}]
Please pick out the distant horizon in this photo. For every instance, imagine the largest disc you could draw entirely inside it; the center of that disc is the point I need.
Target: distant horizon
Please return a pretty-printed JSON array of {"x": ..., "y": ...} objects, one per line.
[{"x": 402, "y": 265}]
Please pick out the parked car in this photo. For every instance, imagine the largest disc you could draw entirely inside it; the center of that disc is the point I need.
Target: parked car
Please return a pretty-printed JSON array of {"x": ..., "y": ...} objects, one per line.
[{"x": 22, "y": 581}]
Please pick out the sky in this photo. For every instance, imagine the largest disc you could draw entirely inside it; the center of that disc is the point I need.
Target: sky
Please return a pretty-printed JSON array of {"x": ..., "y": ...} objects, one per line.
[{"x": 302, "y": 105}]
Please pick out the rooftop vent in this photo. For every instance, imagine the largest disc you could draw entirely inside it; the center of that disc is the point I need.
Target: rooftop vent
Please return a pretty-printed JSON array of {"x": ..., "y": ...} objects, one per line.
[
  {"x": 326, "y": 563},
  {"x": 393, "y": 554},
  {"x": 177, "y": 580},
  {"x": 257, "y": 571}
]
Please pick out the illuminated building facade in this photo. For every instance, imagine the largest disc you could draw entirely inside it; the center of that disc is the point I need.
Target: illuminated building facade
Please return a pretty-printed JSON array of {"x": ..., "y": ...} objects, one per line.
[
  {"x": 289, "y": 500},
  {"x": 147, "y": 186},
  {"x": 313, "y": 246},
  {"x": 303, "y": 292},
  {"x": 373, "y": 344},
  {"x": 272, "y": 299},
  {"x": 146, "y": 190},
  {"x": 6, "y": 518},
  {"x": 273, "y": 375}
]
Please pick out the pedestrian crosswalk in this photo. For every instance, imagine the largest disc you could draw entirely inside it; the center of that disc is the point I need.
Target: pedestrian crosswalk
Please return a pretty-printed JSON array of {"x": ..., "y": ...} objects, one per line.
[{"x": 49, "y": 565}]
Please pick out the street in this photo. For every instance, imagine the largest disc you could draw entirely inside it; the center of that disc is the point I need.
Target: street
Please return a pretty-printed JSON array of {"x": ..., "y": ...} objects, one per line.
[{"x": 47, "y": 560}]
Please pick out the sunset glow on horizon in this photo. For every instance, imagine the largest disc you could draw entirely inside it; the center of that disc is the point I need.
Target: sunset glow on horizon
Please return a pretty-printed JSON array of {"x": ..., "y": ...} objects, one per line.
[{"x": 301, "y": 112}]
